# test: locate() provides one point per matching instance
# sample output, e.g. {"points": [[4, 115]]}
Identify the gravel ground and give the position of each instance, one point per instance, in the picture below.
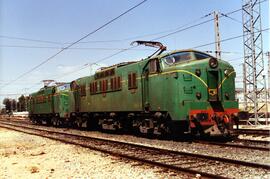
{"points": [[228, 152], [27, 156]]}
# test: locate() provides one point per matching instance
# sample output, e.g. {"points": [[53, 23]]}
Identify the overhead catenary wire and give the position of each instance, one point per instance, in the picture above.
{"points": [[124, 39], [160, 37], [123, 50], [227, 39], [31, 40], [179, 29], [131, 48], [229, 17], [105, 41], [75, 48], [72, 44], [222, 15]]}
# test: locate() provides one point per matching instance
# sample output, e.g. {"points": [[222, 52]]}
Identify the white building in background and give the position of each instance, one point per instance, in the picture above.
{"points": [[239, 95]]}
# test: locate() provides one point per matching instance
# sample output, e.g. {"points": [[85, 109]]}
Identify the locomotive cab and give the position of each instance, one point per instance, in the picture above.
{"points": [[204, 89]]}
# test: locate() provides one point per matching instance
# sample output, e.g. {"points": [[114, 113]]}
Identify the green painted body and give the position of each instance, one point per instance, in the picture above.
{"points": [[55, 102], [41, 102], [172, 89], [64, 103]]}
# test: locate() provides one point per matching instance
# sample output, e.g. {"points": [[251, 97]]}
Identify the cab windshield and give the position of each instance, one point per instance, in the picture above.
{"points": [[183, 56], [63, 87]]}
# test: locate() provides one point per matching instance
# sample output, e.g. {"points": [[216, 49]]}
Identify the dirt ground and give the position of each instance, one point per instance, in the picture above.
{"points": [[27, 156]]}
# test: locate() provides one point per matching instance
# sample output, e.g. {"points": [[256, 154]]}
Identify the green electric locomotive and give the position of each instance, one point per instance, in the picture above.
{"points": [[183, 91], [50, 104]]}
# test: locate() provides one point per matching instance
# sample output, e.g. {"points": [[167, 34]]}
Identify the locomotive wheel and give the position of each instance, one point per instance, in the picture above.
{"points": [[78, 124], [55, 122], [146, 127], [49, 122], [92, 124], [162, 130]]}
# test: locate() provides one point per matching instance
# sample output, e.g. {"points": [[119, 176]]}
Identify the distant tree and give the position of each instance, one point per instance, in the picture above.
{"points": [[21, 106], [18, 107], [7, 103], [14, 104]]}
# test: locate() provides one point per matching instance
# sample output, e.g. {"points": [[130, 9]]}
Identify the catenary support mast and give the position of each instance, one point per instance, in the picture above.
{"points": [[254, 94]]}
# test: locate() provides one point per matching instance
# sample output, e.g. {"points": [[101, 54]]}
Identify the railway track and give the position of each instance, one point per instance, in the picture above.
{"points": [[241, 143], [206, 166], [238, 143], [262, 142], [256, 132]]}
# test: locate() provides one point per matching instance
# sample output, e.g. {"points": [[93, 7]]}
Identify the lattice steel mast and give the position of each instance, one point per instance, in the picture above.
{"points": [[253, 60]]}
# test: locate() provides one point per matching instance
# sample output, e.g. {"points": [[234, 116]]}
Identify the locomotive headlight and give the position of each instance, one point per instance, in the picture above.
{"points": [[194, 116], [227, 96], [226, 72], [198, 72], [213, 63], [198, 95]]}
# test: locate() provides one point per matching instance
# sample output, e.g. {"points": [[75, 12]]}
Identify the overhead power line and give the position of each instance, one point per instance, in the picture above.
{"points": [[171, 33], [72, 44], [74, 48], [124, 39], [192, 26], [230, 38], [105, 41], [179, 29], [96, 62], [28, 39], [229, 17], [105, 58]]}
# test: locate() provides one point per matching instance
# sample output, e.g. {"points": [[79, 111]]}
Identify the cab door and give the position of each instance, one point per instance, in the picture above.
{"points": [[149, 84], [212, 82], [51, 100], [75, 89]]}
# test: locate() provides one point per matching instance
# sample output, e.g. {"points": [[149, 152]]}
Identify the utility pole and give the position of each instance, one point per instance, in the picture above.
{"points": [[253, 60], [268, 55], [268, 89], [217, 36]]}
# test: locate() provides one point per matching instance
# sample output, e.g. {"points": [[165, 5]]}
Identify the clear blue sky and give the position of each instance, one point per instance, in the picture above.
{"points": [[66, 21]]}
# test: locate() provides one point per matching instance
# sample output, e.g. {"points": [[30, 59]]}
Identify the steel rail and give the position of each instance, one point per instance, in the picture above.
{"points": [[217, 143], [113, 153], [254, 141], [253, 132], [234, 145], [213, 158]]}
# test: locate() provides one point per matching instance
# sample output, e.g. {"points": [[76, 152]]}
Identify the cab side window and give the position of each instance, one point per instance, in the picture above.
{"points": [[177, 58], [74, 86], [200, 56], [132, 80], [83, 90], [154, 66]]}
